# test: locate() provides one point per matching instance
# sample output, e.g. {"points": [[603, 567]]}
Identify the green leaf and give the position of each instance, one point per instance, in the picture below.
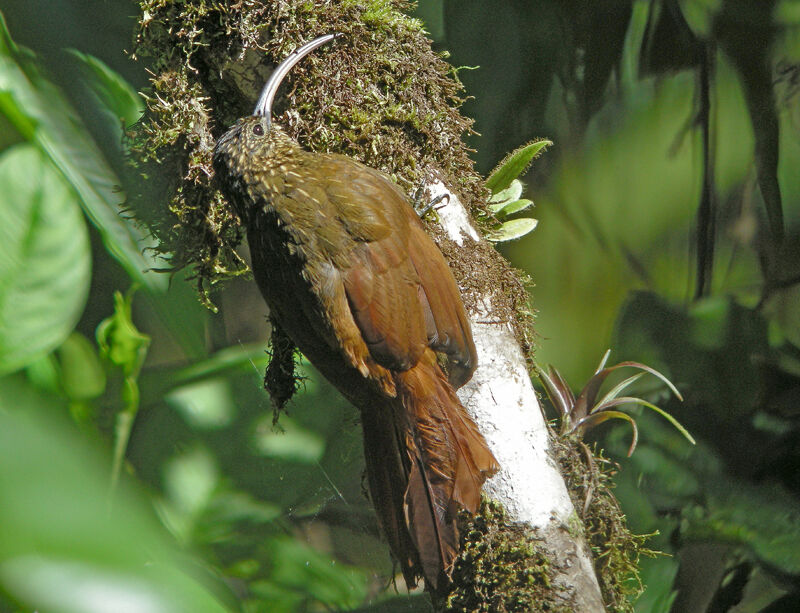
{"points": [[62, 548], [603, 362], [587, 396], [302, 569], [29, 99], [205, 404], [604, 372], [114, 92], [190, 480], [119, 340], [764, 518], [45, 258], [513, 229], [620, 387], [504, 209], [595, 419], [709, 322], [658, 575], [82, 374], [512, 192], [557, 390], [25, 125], [122, 345], [293, 443], [44, 374], [604, 406], [157, 383], [667, 479], [514, 165]]}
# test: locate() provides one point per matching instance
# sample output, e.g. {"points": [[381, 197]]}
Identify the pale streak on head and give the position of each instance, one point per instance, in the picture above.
{"points": [[264, 105]]}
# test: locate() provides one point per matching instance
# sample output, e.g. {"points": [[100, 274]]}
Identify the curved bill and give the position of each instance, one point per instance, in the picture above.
{"points": [[264, 105]]}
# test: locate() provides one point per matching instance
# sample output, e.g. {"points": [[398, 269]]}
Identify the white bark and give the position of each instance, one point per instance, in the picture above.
{"points": [[502, 401]]}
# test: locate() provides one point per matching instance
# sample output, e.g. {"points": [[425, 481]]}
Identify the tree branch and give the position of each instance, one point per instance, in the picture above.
{"points": [[529, 486]]}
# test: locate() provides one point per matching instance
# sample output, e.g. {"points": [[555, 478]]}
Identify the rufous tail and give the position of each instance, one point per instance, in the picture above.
{"points": [[425, 463]]}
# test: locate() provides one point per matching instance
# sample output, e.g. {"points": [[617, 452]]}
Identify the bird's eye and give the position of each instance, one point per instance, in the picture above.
{"points": [[258, 130]]}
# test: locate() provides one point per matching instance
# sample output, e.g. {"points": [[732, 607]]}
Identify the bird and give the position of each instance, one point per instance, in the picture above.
{"points": [[348, 271]]}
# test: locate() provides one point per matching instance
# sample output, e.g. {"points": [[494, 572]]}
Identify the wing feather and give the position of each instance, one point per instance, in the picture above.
{"points": [[399, 288]]}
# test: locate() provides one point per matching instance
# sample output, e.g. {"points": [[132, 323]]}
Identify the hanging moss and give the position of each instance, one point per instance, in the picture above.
{"points": [[615, 549]]}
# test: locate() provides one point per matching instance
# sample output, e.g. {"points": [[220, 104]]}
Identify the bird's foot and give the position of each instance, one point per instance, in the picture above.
{"points": [[423, 208]]}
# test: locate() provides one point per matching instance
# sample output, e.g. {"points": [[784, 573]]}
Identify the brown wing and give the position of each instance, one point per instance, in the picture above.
{"points": [[453, 333], [400, 290], [379, 279]]}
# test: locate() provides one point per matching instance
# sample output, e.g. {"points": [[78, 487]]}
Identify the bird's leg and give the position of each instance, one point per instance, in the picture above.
{"points": [[421, 207]]}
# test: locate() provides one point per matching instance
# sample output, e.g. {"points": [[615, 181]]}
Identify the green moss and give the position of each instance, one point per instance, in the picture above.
{"points": [[393, 104], [500, 567], [615, 549]]}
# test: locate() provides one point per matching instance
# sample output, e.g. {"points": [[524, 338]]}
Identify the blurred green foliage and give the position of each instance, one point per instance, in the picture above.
{"points": [[669, 229]]}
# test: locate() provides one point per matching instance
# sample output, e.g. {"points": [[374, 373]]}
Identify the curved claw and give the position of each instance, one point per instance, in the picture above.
{"points": [[424, 209]]}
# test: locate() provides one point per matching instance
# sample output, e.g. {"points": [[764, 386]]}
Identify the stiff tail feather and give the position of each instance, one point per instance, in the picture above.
{"points": [[387, 474], [435, 463]]}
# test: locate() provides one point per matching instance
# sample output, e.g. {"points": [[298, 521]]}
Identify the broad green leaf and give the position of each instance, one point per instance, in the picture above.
{"points": [[27, 98], [45, 259], [504, 209], [512, 192], [25, 125], [114, 92], [513, 229], [44, 373], [514, 165], [699, 14], [190, 479], [764, 518], [668, 477], [63, 549], [658, 575], [709, 322], [786, 12]]}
